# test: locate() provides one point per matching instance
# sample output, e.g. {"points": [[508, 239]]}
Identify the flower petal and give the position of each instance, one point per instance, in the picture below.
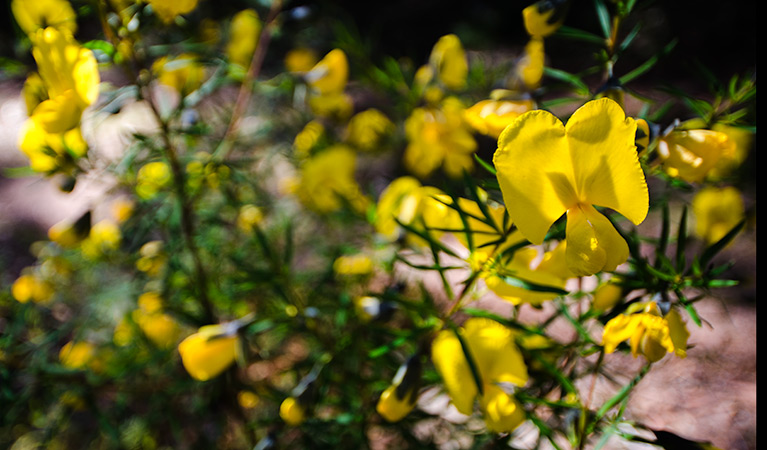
{"points": [[450, 361], [593, 244]]}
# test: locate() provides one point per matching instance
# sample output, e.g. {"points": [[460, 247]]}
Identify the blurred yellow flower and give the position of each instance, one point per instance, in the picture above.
{"points": [[330, 74], [498, 364], [32, 15], [244, 33], [69, 234], [167, 10], [327, 181], [77, 355], [400, 397], [104, 237], [292, 412], [439, 137], [648, 332], [30, 286], [530, 67], [607, 295], [152, 178], [544, 17], [152, 258], [449, 61], [692, 154], [308, 138], [249, 217], [546, 169], [334, 105], [210, 351], [366, 129], [717, 211], [359, 264], [159, 327], [247, 399], [490, 117], [300, 60], [184, 73]]}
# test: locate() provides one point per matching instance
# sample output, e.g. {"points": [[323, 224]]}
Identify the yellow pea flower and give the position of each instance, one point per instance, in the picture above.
{"points": [[244, 33], [159, 327], [327, 181], [34, 92], [104, 237], [292, 412], [530, 67], [648, 333], [308, 138], [210, 351], [330, 74], [717, 211], [300, 60], [607, 295], [544, 17], [449, 61], [366, 129], [335, 105], [152, 258], [167, 10], [77, 355], [692, 154], [249, 217], [359, 264], [439, 137], [248, 399], [152, 178], [399, 399], [70, 234], [30, 286], [546, 169], [34, 15], [490, 117], [183, 73], [498, 363]]}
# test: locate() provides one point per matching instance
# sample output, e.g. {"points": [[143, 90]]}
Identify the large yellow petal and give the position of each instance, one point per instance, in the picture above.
{"points": [[604, 158], [619, 329], [535, 172], [593, 244], [449, 360], [494, 351]]}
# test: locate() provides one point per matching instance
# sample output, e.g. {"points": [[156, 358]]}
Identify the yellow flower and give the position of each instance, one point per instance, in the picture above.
{"points": [[167, 10], [77, 355], [359, 264], [152, 258], [366, 129], [607, 295], [648, 333], [439, 137], [104, 237], [122, 209], [717, 211], [152, 178], [546, 169], [308, 138], [399, 399], [70, 74], [247, 399], [329, 76], [550, 272], [543, 18], [490, 117], [244, 33], [300, 60], [530, 66], [692, 154], [449, 60], [498, 363], [183, 72], [249, 217], [30, 286], [159, 327], [210, 351], [70, 234], [34, 15], [327, 181], [336, 105], [292, 412]]}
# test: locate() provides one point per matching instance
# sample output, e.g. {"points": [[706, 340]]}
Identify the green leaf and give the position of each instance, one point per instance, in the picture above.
{"points": [[647, 65], [581, 35], [603, 14]]}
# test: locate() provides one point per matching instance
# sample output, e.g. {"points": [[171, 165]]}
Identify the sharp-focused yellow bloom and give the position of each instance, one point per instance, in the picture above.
{"points": [[439, 137], [104, 237], [550, 272], [32, 15], [359, 264], [648, 333], [366, 129], [449, 61], [183, 73], [329, 76], [717, 211], [159, 327], [167, 10], [399, 399], [327, 181], [152, 178], [491, 117], [249, 217], [244, 33], [407, 201], [530, 66], [292, 412], [70, 75], [692, 154], [498, 363], [543, 18], [300, 60], [210, 351], [30, 286], [546, 169], [77, 355]]}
